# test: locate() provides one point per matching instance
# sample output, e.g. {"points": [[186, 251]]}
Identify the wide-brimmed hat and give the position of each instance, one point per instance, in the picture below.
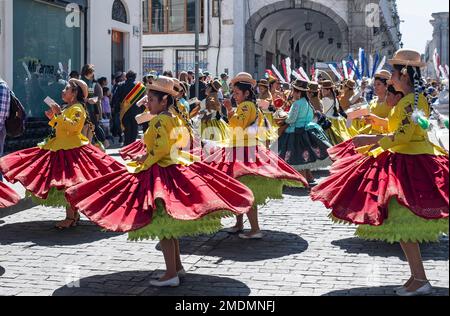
{"points": [[215, 85], [313, 86], [300, 85], [82, 85], [327, 84], [350, 84], [263, 82], [244, 77], [407, 57], [163, 84], [383, 74]]}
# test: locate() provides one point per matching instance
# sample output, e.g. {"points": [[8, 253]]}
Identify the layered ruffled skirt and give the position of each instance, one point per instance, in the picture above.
{"points": [[8, 197], [343, 150], [338, 132], [305, 148], [134, 150], [46, 174], [164, 203], [394, 197], [258, 168], [215, 130]]}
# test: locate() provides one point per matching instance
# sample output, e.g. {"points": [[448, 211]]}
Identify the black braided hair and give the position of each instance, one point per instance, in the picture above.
{"points": [[415, 76]]}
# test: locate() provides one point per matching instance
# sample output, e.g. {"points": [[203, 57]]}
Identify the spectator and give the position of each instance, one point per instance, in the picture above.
{"points": [[4, 112], [225, 86], [190, 77], [74, 75], [202, 88], [129, 120], [168, 73], [95, 96], [106, 103]]}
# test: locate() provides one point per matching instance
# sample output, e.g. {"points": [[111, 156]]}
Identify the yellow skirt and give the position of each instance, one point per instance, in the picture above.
{"points": [[338, 132], [215, 130], [272, 133]]}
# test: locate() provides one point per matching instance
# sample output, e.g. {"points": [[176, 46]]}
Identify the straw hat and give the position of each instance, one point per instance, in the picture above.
{"points": [[351, 84], [383, 74], [327, 84], [177, 85], [163, 84], [244, 77], [82, 85], [215, 85], [300, 85], [407, 57], [313, 87], [263, 82]]}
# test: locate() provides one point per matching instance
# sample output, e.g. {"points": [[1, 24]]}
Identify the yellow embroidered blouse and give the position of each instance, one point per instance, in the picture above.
{"points": [[406, 137], [381, 110], [245, 117], [68, 126], [164, 138]]}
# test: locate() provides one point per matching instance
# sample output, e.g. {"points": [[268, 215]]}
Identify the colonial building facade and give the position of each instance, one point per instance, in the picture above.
{"points": [[439, 42], [253, 34]]}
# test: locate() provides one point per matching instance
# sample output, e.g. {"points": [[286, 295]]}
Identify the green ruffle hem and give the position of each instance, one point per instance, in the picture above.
{"points": [[265, 189], [164, 226], [402, 226], [55, 198]]}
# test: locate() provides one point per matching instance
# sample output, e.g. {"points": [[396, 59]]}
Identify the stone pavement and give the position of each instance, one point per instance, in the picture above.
{"points": [[303, 253]]}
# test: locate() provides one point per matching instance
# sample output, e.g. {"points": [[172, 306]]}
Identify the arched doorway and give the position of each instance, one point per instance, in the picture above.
{"points": [[306, 31]]}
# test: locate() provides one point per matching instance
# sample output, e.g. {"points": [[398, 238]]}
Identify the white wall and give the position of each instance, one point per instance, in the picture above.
{"points": [[100, 25]]}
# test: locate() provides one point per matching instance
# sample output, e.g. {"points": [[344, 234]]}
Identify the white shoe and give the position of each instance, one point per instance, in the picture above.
{"points": [[425, 290], [175, 282], [232, 230], [254, 236]]}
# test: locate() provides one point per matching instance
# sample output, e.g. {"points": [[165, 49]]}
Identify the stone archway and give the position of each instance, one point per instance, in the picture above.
{"points": [[258, 17]]}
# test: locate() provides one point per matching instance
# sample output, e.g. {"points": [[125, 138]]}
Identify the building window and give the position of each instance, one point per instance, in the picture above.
{"points": [[215, 8], [171, 16], [185, 60], [119, 12], [153, 61], [45, 51]]}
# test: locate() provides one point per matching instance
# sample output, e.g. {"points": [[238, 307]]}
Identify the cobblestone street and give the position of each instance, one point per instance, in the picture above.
{"points": [[303, 253]]}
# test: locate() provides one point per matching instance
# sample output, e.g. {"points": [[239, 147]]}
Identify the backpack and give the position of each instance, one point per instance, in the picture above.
{"points": [[15, 123]]}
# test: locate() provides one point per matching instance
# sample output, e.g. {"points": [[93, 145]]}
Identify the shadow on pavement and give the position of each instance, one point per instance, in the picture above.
{"points": [[431, 251], [275, 244], [300, 192], [380, 291], [23, 205], [2, 271], [138, 283], [44, 234]]}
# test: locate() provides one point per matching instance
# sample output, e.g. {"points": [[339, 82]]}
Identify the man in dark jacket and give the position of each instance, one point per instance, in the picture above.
{"points": [[202, 88], [129, 120]]}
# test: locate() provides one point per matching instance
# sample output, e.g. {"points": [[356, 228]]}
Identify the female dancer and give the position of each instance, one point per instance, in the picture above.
{"points": [[166, 193], [63, 160], [398, 190], [338, 132], [247, 159], [304, 144]]}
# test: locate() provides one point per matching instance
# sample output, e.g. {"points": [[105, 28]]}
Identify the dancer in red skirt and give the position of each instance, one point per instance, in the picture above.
{"points": [[398, 190], [63, 160], [8, 197], [347, 149], [180, 109], [246, 157], [165, 194]]}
